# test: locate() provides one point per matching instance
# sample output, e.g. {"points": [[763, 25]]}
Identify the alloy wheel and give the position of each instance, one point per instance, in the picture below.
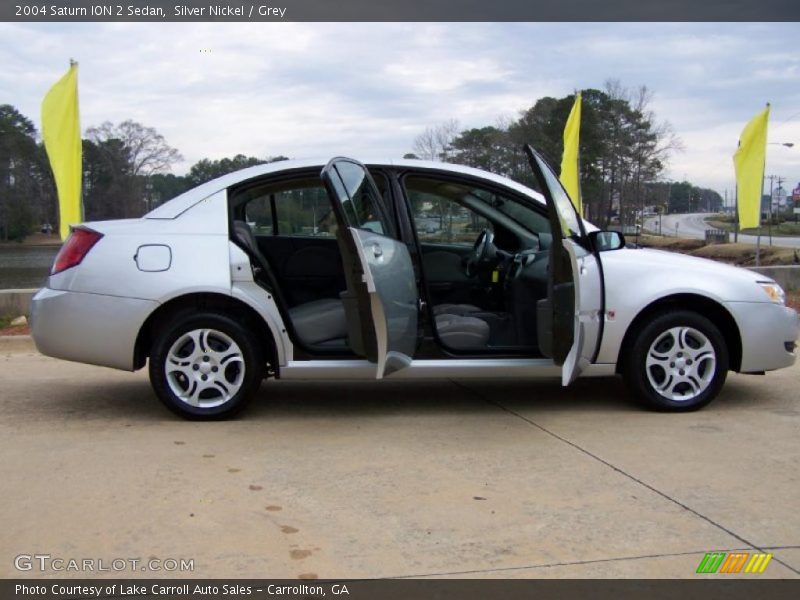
{"points": [[204, 368], [681, 363]]}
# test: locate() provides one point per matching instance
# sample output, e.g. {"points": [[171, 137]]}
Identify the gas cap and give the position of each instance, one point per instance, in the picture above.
{"points": [[153, 257]]}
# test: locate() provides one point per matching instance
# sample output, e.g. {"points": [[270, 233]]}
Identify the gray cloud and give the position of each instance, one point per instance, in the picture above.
{"points": [[369, 88]]}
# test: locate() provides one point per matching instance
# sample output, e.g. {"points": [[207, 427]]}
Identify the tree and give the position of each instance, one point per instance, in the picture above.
{"points": [[435, 143], [483, 148], [147, 150], [119, 161], [206, 170], [682, 197], [623, 147], [125, 173], [165, 186], [109, 189], [541, 126], [26, 187], [710, 200]]}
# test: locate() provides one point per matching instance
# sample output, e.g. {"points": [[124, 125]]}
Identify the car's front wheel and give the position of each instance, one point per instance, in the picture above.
{"points": [[678, 361], [205, 365]]}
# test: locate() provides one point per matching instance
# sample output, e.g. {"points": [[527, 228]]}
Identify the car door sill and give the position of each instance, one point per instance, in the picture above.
{"points": [[523, 368]]}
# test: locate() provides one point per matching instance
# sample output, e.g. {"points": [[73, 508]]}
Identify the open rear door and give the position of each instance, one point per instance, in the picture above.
{"points": [[570, 319], [381, 298]]}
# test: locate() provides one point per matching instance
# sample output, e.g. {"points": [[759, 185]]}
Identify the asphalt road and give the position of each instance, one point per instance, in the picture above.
{"points": [[693, 225], [436, 479]]}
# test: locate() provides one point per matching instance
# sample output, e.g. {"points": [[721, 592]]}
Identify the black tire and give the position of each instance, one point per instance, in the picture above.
{"points": [[699, 381], [238, 370]]}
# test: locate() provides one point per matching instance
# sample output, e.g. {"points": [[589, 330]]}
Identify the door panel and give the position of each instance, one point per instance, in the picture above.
{"points": [[589, 294], [586, 325], [576, 321], [381, 298], [391, 284]]}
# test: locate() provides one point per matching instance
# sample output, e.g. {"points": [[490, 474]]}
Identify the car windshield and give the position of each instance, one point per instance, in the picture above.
{"points": [[523, 215]]}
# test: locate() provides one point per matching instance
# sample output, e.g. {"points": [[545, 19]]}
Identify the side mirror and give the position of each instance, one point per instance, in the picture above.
{"points": [[603, 241]]}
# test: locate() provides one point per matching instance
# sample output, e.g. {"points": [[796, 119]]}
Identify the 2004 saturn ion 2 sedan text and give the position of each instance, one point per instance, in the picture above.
{"points": [[398, 269]]}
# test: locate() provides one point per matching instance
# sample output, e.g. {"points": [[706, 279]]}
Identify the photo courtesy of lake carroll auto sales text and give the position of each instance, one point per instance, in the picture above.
{"points": [[120, 590], [387, 300]]}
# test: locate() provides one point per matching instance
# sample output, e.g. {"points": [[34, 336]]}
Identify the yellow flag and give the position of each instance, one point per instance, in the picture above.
{"points": [[749, 163], [61, 132], [570, 176]]}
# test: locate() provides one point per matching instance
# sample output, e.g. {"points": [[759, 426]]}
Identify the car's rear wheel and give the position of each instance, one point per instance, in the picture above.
{"points": [[678, 361], [205, 365]]}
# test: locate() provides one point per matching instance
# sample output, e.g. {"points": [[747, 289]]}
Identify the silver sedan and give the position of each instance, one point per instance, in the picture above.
{"points": [[397, 269]]}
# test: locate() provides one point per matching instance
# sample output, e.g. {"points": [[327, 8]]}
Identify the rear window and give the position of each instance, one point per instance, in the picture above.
{"points": [[296, 208], [299, 207]]}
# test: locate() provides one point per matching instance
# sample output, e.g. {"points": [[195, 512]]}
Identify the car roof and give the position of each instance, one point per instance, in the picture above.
{"points": [[181, 203]]}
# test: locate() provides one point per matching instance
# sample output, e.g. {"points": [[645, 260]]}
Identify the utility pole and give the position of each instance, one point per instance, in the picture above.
{"points": [[769, 211], [758, 239], [772, 180], [780, 187], [669, 196]]}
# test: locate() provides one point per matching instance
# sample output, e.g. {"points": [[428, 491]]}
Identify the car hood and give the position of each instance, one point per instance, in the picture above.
{"points": [[683, 262]]}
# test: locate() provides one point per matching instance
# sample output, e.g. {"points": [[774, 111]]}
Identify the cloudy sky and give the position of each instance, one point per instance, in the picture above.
{"points": [[368, 89]]}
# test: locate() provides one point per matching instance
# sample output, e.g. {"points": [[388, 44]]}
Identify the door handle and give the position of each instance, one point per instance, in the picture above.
{"points": [[377, 250]]}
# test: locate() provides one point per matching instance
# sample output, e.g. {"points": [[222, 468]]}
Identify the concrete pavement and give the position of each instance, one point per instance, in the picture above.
{"points": [[396, 479]]}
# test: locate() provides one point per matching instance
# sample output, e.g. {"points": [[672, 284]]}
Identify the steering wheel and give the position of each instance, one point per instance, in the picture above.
{"points": [[483, 252]]}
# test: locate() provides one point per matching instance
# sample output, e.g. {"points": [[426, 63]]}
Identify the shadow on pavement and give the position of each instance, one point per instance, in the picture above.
{"points": [[292, 400]]}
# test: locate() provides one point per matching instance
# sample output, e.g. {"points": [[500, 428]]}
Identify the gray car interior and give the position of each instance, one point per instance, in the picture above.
{"points": [[306, 275], [504, 296], [323, 321], [314, 322]]}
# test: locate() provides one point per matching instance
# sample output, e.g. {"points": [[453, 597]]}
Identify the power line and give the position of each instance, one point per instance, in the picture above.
{"points": [[790, 118]]}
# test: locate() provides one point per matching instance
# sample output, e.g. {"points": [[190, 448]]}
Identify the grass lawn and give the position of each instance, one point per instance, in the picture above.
{"points": [[734, 254], [7, 329]]}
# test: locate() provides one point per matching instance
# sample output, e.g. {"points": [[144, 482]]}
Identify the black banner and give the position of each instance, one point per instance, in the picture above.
{"points": [[409, 589], [399, 10]]}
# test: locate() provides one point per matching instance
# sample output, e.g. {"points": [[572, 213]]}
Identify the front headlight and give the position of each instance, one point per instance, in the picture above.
{"points": [[774, 291]]}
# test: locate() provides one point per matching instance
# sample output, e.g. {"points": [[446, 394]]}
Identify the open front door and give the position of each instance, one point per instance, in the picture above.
{"points": [[381, 297], [570, 319]]}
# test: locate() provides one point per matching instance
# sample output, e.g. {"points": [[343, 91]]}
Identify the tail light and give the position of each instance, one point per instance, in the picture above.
{"points": [[75, 249]]}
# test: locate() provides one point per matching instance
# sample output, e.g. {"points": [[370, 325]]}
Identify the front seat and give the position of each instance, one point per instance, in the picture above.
{"points": [[462, 333], [314, 322], [462, 310]]}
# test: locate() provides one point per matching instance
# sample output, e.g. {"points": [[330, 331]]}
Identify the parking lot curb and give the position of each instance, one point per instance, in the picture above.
{"points": [[19, 344]]}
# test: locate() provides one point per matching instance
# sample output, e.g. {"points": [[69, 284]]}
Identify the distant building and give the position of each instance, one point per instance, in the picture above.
{"points": [[779, 198]]}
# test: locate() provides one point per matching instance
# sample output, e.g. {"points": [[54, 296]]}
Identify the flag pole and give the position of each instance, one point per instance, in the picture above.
{"points": [[758, 239], [74, 63], [580, 189], [760, 200]]}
